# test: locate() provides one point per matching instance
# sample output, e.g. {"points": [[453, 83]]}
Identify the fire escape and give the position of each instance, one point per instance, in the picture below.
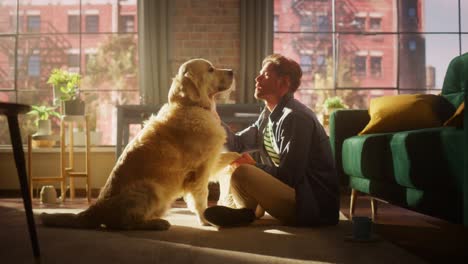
{"points": [[316, 17], [51, 49]]}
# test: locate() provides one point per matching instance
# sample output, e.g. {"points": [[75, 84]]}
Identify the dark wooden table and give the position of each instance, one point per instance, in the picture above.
{"points": [[236, 115], [12, 111]]}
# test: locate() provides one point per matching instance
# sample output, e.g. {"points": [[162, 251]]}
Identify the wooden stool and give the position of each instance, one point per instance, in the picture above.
{"points": [[12, 111], [70, 170], [61, 178]]}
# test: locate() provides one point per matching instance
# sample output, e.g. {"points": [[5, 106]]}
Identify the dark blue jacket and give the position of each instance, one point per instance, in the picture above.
{"points": [[306, 164]]}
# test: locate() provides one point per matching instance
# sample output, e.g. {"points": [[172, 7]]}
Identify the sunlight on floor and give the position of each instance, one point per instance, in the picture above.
{"points": [[276, 232]]}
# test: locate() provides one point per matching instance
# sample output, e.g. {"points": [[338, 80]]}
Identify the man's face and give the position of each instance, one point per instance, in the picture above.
{"points": [[268, 84]]}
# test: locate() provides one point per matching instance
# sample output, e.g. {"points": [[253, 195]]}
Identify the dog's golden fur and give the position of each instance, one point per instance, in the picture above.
{"points": [[173, 156]]}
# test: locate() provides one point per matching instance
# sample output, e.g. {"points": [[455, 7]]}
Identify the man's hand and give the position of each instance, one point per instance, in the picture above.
{"points": [[244, 159]]}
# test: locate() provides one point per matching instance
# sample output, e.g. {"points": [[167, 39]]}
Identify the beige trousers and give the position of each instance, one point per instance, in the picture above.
{"points": [[253, 188]]}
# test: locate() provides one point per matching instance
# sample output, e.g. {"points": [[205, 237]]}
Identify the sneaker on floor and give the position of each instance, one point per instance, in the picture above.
{"points": [[223, 216]]}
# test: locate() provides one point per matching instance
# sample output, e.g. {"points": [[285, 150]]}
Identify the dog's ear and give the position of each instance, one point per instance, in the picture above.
{"points": [[196, 92], [186, 92]]}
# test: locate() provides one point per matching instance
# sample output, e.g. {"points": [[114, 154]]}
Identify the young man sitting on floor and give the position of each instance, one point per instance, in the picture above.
{"points": [[295, 181]]}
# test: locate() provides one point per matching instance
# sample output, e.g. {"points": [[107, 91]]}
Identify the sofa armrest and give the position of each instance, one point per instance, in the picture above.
{"points": [[343, 124]]}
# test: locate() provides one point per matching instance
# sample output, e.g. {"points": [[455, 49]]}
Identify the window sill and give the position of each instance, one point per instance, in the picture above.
{"points": [[100, 149]]}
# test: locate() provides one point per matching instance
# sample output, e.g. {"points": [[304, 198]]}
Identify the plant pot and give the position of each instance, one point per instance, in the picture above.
{"points": [[43, 143], [44, 128], [74, 107]]}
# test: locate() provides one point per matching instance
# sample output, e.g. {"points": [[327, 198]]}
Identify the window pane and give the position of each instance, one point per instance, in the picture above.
{"points": [[26, 123], [304, 16], [8, 16], [103, 116], [366, 15], [424, 65], [112, 62], [440, 16], [359, 99], [4, 130], [36, 97], [464, 18], [127, 16], [107, 62], [464, 43], [406, 91], [38, 16], [311, 97], [366, 61], [102, 17], [7, 63], [7, 96], [38, 55], [410, 16], [313, 47]]}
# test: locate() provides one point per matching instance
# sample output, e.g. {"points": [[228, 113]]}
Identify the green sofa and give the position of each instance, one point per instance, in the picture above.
{"points": [[422, 170]]}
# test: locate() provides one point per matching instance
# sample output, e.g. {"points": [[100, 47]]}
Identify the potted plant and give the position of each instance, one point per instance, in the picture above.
{"points": [[43, 123], [66, 90], [333, 103]]}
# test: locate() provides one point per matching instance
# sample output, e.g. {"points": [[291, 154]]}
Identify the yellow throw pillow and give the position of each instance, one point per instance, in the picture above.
{"points": [[404, 112], [456, 119]]}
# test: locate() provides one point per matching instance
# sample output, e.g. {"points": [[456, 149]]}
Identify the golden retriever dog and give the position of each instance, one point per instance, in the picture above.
{"points": [[174, 155]]}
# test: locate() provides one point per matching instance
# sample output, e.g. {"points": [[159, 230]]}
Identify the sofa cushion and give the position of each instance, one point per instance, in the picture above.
{"points": [[422, 158], [455, 98], [406, 112], [456, 120], [368, 156]]}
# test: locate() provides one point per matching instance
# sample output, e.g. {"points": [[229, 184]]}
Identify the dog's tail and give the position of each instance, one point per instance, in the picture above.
{"points": [[63, 220], [75, 221], [112, 213]]}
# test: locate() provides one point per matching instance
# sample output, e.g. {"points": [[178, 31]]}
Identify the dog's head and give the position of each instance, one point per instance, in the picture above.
{"points": [[197, 82]]}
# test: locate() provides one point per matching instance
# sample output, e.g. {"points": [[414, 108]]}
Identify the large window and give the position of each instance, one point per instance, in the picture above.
{"points": [[367, 48], [78, 36]]}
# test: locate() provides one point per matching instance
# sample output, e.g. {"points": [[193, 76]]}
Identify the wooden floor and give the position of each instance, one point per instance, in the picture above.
{"points": [[432, 239]]}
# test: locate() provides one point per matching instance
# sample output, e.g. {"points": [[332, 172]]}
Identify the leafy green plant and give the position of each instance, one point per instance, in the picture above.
{"points": [[334, 102], [66, 82], [43, 112]]}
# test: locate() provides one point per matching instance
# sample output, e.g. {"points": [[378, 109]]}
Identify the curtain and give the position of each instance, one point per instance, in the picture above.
{"points": [[256, 29], [153, 34]]}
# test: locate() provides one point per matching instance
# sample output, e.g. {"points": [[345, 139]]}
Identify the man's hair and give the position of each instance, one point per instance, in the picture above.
{"points": [[284, 66]]}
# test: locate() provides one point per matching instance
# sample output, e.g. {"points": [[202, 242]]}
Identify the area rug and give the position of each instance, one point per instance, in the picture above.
{"points": [[265, 241]]}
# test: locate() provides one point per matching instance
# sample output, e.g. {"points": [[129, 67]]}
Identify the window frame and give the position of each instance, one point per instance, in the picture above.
{"points": [[408, 17], [28, 67]]}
